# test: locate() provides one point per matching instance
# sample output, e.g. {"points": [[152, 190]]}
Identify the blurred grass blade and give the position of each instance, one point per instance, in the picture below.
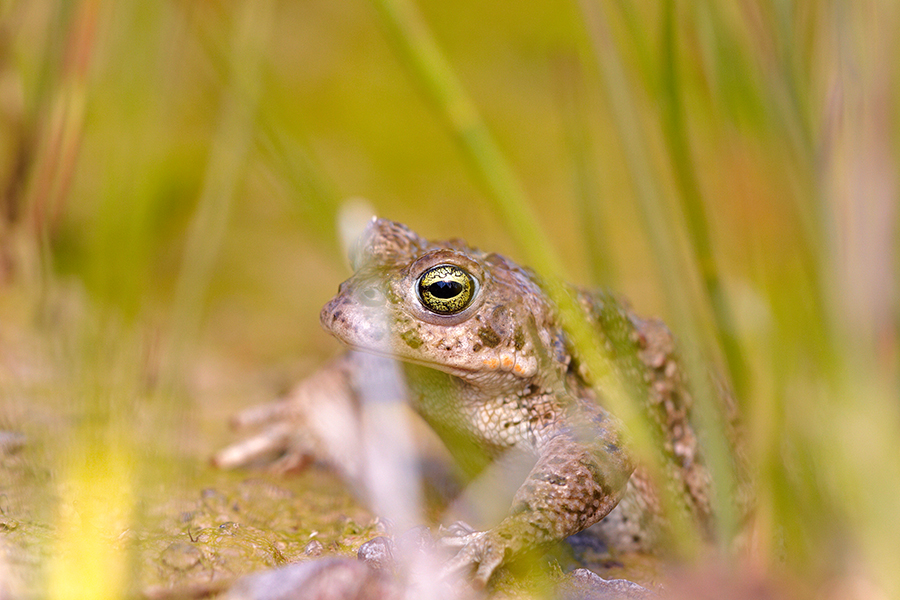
{"points": [[316, 198], [574, 107], [689, 308], [230, 148], [57, 152], [94, 470], [88, 560], [692, 203], [431, 70]]}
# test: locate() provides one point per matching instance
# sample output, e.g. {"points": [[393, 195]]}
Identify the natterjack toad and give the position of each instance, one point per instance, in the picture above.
{"points": [[490, 369]]}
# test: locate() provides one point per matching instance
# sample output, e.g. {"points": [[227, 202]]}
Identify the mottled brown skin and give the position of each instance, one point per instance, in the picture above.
{"points": [[501, 375]]}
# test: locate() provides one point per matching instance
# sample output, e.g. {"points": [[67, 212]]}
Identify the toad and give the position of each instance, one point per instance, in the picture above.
{"points": [[490, 368]]}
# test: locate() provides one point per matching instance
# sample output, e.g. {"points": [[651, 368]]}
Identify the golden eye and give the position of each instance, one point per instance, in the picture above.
{"points": [[446, 289]]}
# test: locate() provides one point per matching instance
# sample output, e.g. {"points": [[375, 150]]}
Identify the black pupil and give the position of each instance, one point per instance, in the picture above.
{"points": [[445, 289]]}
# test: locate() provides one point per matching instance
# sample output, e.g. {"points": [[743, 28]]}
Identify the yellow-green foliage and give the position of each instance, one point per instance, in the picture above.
{"points": [[172, 172]]}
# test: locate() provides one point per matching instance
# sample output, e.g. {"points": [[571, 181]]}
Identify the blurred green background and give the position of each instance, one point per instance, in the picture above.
{"points": [[172, 175]]}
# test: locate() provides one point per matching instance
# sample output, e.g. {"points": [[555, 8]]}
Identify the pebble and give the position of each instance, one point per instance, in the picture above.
{"points": [[313, 548], [378, 553], [583, 584], [181, 556]]}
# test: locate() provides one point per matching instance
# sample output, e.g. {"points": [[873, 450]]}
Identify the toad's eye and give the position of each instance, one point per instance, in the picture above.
{"points": [[446, 289]]}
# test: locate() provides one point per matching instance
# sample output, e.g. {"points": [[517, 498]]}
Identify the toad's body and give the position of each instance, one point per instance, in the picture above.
{"points": [[490, 369]]}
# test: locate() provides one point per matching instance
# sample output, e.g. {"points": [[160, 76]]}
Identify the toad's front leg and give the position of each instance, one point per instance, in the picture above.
{"points": [[575, 483], [318, 419]]}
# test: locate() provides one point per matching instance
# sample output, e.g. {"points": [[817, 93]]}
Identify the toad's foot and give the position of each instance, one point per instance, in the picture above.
{"points": [[279, 447], [475, 550], [483, 551], [317, 420]]}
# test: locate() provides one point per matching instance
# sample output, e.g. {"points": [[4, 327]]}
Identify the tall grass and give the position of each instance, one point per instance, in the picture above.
{"points": [[171, 171]]}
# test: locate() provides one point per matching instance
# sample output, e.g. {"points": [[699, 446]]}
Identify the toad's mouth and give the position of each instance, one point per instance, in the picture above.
{"points": [[390, 352]]}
